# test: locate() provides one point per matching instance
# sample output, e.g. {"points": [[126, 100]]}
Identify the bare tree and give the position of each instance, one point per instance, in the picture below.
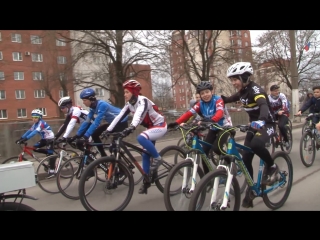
{"points": [[274, 48], [162, 94]]}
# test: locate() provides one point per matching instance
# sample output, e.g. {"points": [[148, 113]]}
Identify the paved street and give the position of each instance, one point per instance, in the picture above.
{"points": [[304, 194]]}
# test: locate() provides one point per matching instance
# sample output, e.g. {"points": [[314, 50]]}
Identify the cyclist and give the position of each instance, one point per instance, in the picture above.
{"points": [[196, 116], [47, 136], [73, 115], [210, 108], [145, 114], [256, 103], [279, 106], [93, 126], [314, 103]]}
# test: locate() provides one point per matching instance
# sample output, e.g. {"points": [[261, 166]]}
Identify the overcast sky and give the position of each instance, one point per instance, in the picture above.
{"points": [[255, 34]]}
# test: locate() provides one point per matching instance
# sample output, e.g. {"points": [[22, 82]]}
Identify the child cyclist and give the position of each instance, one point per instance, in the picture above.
{"points": [[145, 114], [47, 136], [256, 103], [210, 108]]}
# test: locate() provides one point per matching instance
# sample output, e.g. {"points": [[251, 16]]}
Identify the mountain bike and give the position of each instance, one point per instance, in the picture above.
{"points": [[307, 123], [276, 139], [213, 191], [308, 142], [184, 176], [113, 195]]}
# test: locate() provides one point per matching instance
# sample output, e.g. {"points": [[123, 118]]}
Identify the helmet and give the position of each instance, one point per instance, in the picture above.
{"points": [[204, 85], [239, 68], [132, 84], [87, 93], [274, 87], [64, 101], [36, 113]]}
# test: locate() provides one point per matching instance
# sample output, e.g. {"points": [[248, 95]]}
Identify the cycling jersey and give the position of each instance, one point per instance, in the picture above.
{"points": [[74, 115], [144, 114], [254, 101], [214, 110], [281, 103], [104, 111], [314, 103], [42, 128]]}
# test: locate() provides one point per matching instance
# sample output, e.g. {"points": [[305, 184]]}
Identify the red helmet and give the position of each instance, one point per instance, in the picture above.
{"points": [[133, 84]]}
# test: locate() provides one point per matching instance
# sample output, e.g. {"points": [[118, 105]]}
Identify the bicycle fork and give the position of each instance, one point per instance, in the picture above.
{"points": [[186, 175]]}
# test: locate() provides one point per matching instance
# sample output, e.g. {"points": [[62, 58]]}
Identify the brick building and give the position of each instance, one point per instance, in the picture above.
{"points": [[33, 69]]}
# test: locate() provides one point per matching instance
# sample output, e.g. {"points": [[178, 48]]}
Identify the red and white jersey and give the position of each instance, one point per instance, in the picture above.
{"points": [[76, 115], [143, 114], [280, 103]]}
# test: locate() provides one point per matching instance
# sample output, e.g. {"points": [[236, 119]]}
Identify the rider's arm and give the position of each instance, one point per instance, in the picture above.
{"points": [[219, 110], [123, 113], [234, 98], [38, 127], [284, 102], [84, 126], [307, 104], [263, 106], [64, 126], [188, 114], [101, 109]]}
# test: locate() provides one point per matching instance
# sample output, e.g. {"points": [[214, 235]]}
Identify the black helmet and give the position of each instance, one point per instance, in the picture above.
{"points": [[204, 85], [274, 87]]}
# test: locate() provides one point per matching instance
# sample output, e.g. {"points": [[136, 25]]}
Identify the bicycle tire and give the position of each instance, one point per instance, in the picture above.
{"points": [[180, 141], [137, 176], [198, 196], [304, 127], [179, 193], [15, 206], [68, 174], [169, 160], [289, 134], [304, 146], [290, 124], [13, 159], [271, 145], [266, 197], [85, 199]]}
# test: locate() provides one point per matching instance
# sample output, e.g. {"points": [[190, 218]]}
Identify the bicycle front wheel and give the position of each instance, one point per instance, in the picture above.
{"points": [[307, 149], [68, 177], [177, 186], [13, 160], [48, 185], [207, 198], [15, 206], [171, 155], [304, 127], [110, 195], [274, 198]]}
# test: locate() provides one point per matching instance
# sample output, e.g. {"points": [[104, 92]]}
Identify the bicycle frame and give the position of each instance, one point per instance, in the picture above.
{"points": [[27, 149], [234, 156]]}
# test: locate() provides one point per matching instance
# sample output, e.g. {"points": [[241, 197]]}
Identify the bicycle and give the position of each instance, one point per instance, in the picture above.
{"points": [[184, 176], [223, 177], [307, 123], [308, 149], [15, 205], [116, 171], [276, 139]]}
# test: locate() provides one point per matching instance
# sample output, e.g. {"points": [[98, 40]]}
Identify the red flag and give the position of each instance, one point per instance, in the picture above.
{"points": [[306, 47]]}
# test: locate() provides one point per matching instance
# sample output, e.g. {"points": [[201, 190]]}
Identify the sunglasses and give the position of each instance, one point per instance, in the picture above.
{"points": [[63, 107], [35, 117]]}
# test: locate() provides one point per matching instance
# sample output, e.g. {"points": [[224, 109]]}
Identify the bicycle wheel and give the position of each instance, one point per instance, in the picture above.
{"points": [[290, 124], [68, 177], [110, 195], [289, 134], [307, 149], [47, 185], [171, 155], [276, 197], [97, 155], [201, 199], [177, 186], [71, 154], [13, 159], [137, 176], [181, 141], [271, 145], [15, 206], [304, 127]]}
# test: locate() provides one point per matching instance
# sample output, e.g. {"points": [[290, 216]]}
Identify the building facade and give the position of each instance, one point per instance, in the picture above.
{"points": [[34, 72]]}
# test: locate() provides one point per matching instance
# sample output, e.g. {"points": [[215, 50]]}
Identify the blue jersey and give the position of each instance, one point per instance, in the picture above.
{"points": [[42, 128], [104, 111]]}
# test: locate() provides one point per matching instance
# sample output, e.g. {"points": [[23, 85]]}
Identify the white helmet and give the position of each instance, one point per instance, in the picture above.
{"points": [[64, 101], [36, 113], [239, 68]]}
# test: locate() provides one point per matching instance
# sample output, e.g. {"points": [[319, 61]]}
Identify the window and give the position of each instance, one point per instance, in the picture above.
{"points": [[1, 75], [62, 60], [239, 32], [2, 94], [35, 39], [20, 94], [3, 114], [240, 50], [63, 77], [60, 42], [18, 75], [1, 56], [17, 56], [61, 94], [239, 42], [44, 111], [246, 44], [37, 76], [39, 93], [22, 113], [245, 34], [99, 92], [15, 37], [0, 37], [36, 57]]}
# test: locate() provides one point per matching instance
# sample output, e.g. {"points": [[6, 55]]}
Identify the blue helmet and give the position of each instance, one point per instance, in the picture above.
{"points": [[87, 93]]}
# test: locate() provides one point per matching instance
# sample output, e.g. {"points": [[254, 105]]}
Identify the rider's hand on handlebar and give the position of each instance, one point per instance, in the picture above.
{"points": [[172, 125], [128, 130], [298, 113]]}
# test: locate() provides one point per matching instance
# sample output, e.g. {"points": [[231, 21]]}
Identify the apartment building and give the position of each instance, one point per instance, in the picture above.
{"points": [[33, 69], [239, 44]]}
